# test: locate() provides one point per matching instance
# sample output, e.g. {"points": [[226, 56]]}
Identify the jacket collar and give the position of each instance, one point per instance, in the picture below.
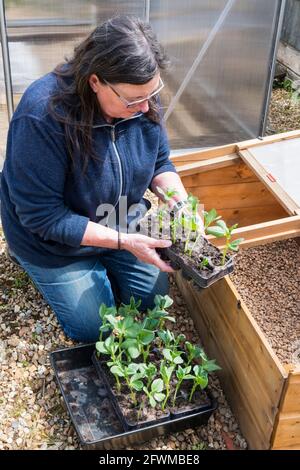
{"points": [[102, 123]]}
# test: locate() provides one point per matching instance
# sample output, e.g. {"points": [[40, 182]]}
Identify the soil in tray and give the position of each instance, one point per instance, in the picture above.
{"points": [[130, 416], [200, 401], [147, 416], [202, 250]]}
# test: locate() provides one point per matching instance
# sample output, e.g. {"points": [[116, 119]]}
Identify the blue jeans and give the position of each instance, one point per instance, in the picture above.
{"points": [[76, 291]]}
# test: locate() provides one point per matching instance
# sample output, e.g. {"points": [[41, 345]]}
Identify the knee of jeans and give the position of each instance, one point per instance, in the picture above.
{"points": [[82, 336], [160, 287], [84, 325]]}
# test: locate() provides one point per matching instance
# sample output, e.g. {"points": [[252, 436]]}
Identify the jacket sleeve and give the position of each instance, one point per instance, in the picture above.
{"points": [[37, 164], [163, 163]]}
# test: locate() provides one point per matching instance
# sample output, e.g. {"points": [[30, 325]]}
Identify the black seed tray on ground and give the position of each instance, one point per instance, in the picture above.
{"points": [[90, 408], [100, 367]]}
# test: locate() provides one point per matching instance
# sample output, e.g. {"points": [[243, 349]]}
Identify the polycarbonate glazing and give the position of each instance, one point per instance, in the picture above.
{"points": [[223, 99], [42, 32], [221, 50]]}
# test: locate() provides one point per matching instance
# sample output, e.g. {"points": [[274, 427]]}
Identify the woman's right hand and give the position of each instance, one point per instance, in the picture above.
{"points": [[143, 248]]}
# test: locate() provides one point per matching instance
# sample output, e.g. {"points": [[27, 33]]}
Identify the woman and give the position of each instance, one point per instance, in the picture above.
{"points": [[82, 139]]}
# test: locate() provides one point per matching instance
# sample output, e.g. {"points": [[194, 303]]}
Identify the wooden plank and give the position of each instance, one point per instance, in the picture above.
{"points": [[236, 172], [282, 197], [291, 401], [266, 232], [206, 165], [250, 368], [268, 139], [223, 197], [204, 154], [231, 148], [287, 431], [246, 216]]}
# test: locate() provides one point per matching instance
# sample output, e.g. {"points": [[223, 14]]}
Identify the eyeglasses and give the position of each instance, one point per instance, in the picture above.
{"points": [[131, 104]]}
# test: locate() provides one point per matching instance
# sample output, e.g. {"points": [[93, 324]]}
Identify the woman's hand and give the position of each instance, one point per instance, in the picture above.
{"points": [[144, 249]]}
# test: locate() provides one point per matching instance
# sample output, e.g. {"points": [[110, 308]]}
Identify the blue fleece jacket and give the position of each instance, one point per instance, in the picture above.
{"points": [[45, 204]]}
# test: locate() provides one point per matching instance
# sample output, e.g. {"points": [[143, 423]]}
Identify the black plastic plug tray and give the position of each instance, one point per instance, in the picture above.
{"points": [[90, 408]]}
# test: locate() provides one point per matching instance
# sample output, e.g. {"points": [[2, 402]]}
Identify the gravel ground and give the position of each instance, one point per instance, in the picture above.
{"points": [[284, 113], [271, 290]]}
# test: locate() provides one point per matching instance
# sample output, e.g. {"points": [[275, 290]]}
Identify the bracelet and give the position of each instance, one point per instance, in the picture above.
{"points": [[179, 205]]}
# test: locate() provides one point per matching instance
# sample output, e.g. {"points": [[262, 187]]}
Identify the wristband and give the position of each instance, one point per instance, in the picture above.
{"points": [[178, 205]]}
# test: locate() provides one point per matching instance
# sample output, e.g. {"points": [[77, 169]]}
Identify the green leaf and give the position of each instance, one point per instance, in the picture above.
{"points": [[167, 354], [232, 247], [149, 370], [151, 323], [233, 227], [159, 396], [178, 360], [137, 385], [133, 368], [197, 352], [128, 322], [109, 342], [157, 300], [105, 328], [104, 311], [100, 347], [222, 225], [167, 372], [146, 337], [234, 244], [134, 352], [201, 376], [117, 370], [202, 381], [210, 217], [152, 402], [134, 330], [167, 301], [157, 386], [158, 314], [129, 342], [193, 202], [111, 363], [180, 373], [210, 366], [171, 319], [180, 338], [216, 231], [112, 320]]}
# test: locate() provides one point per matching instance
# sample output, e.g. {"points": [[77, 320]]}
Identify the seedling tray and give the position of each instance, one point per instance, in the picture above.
{"points": [[91, 410], [127, 425], [200, 279]]}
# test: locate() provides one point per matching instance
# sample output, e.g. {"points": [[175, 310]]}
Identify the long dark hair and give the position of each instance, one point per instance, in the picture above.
{"points": [[123, 49]]}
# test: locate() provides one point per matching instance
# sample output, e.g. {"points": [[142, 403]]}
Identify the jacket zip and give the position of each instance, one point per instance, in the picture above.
{"points": [[113, 138]]}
